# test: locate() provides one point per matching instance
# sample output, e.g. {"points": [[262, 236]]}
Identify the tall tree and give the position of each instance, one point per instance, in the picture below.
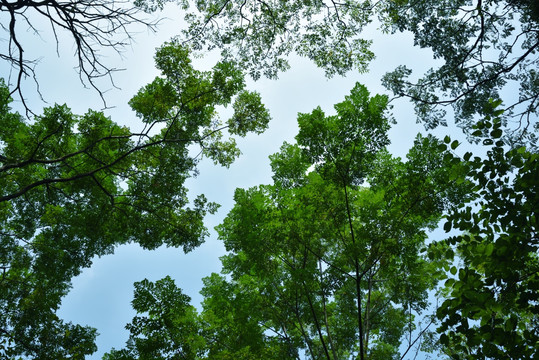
{"points": [[485, 46], [73, 187], [334, 244], [326, 261]]}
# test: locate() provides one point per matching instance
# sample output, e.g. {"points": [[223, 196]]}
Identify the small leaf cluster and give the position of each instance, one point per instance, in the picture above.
{"points": [[170, 328]]}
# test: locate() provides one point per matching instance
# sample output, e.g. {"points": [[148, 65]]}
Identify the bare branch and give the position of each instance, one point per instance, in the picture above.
{"points": [[92, 25]]}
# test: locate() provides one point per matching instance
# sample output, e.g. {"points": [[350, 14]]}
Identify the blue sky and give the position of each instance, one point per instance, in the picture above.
{"points": [[101, 295]]}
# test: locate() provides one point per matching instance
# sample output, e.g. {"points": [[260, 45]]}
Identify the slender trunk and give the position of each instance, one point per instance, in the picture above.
{"points": [[410, 323], [359, 310], [305, 337], [368, 312], [358, 278], [330, 340], [316, 322]]}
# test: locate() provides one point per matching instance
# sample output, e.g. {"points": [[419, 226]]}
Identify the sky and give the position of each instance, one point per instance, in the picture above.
{"points": [[101, 295]]}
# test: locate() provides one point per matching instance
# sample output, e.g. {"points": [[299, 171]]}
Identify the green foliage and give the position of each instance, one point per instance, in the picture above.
{"points": [[249, 115], [73, 187], [150, 6], [326, 261], [482, 46], [343, 146], [491, 310], [170, 329]]}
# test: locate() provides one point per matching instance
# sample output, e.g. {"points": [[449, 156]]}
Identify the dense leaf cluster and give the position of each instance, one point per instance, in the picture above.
{"points": [[492, 306], [73, 187]]}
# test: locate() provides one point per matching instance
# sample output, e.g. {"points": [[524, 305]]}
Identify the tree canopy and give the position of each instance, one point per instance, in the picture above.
{"points": [[75, 186], [331, 260], [491, 307], [484, 46], [325, 262]]}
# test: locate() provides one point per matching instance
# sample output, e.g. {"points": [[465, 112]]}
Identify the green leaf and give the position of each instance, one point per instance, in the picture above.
{"points": [[489, 249], [477, 133], [497, 133]]}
